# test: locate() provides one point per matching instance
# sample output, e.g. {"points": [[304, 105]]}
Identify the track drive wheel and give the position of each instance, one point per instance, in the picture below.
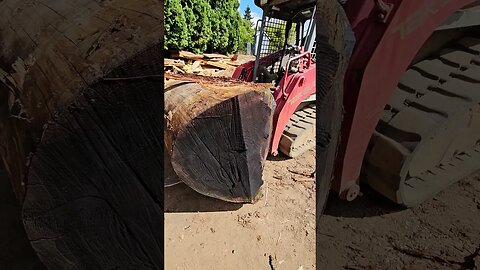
{"points": [[429, 135]]}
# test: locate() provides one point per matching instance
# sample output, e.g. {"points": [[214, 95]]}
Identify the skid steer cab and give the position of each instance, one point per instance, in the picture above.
{"points": [[285, 46]]}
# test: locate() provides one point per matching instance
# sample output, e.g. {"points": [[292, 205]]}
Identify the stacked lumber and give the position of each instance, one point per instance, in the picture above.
{"points": [[207, 64]]}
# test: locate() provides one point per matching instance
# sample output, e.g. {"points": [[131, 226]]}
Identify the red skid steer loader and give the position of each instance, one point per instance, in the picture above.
{"points": [[408, 76]]}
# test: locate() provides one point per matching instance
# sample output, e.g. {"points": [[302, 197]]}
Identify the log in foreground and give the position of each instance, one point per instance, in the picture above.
{"points": [[217, 133], [81, 129], [169, 175]]}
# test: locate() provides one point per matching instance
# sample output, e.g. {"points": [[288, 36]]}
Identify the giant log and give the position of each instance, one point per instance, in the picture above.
{"points": [[217, 133], [81, 129]]}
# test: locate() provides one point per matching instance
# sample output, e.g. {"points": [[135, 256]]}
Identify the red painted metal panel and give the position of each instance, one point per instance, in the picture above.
{"points": [[292, 90], [383, 53]]}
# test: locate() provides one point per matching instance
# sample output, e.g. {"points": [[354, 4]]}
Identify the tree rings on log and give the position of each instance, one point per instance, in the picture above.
{"points": [[94, 195], [217, 133]]}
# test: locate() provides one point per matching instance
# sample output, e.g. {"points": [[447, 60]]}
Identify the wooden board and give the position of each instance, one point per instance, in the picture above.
{"points": [[231, 63], [173, 63], [217, 134], [216, 64], [184, 55], [190, 56], [215, 56]]}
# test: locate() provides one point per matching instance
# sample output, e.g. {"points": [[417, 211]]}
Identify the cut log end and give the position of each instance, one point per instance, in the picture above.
{"points": [[94, 195], [81, 130], [221, 148]]}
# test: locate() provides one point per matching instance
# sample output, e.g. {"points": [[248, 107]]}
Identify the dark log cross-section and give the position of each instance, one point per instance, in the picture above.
{"points": [[217, 133], [81, 140]]}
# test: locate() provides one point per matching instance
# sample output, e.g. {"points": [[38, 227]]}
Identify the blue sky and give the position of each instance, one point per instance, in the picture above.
{"points": [[256, 11]]}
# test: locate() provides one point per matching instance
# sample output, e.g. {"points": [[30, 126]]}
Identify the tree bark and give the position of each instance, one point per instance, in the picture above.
{"points": [[80, 128], [218, 134]]}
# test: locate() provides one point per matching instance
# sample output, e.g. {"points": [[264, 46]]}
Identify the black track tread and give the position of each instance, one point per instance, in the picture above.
{"points": [[429, 93], [301, 121]]}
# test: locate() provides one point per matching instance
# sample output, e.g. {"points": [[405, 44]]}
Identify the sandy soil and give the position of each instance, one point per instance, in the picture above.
{"points": [[369, 233], [277, 232], [373, 233]]}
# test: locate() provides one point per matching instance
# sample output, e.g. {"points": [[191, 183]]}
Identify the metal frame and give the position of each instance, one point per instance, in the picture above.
{"points": [[259, 48], [293, 89], [312, 28], [264, 47], [387, 41]]}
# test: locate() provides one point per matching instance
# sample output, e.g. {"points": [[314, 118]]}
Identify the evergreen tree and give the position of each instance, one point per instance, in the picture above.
{"points": [[248, 16], [176, 32], [205, 25], [199, 27], [247, 32]]}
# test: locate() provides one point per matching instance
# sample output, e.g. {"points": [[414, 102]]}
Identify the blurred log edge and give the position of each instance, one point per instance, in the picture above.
{"points": [[81, 136], [217, 133], [335, 43]]}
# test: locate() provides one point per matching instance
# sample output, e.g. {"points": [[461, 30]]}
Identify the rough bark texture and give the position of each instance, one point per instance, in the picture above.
{"points": [[81, 130], [169, 175], [16, 252], [334, 46], [217, 134]]}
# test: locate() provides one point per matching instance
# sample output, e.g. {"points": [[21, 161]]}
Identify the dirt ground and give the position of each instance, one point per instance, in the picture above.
{"points": [[373, 233], [277, 232]]}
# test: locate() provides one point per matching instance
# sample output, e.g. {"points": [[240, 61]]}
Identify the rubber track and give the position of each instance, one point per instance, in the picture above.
{"points": [[434, 88], [301, 121], [431, 92]]}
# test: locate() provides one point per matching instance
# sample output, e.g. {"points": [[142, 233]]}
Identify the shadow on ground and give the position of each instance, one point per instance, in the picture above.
{"points": [[279, 157], [181, 198], [369, 204]]}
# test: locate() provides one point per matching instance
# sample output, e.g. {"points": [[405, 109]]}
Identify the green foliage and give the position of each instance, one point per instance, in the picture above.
{"points": [[247, 34], [175, 25], [199, 26], [276, 36], [205, 25]]}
